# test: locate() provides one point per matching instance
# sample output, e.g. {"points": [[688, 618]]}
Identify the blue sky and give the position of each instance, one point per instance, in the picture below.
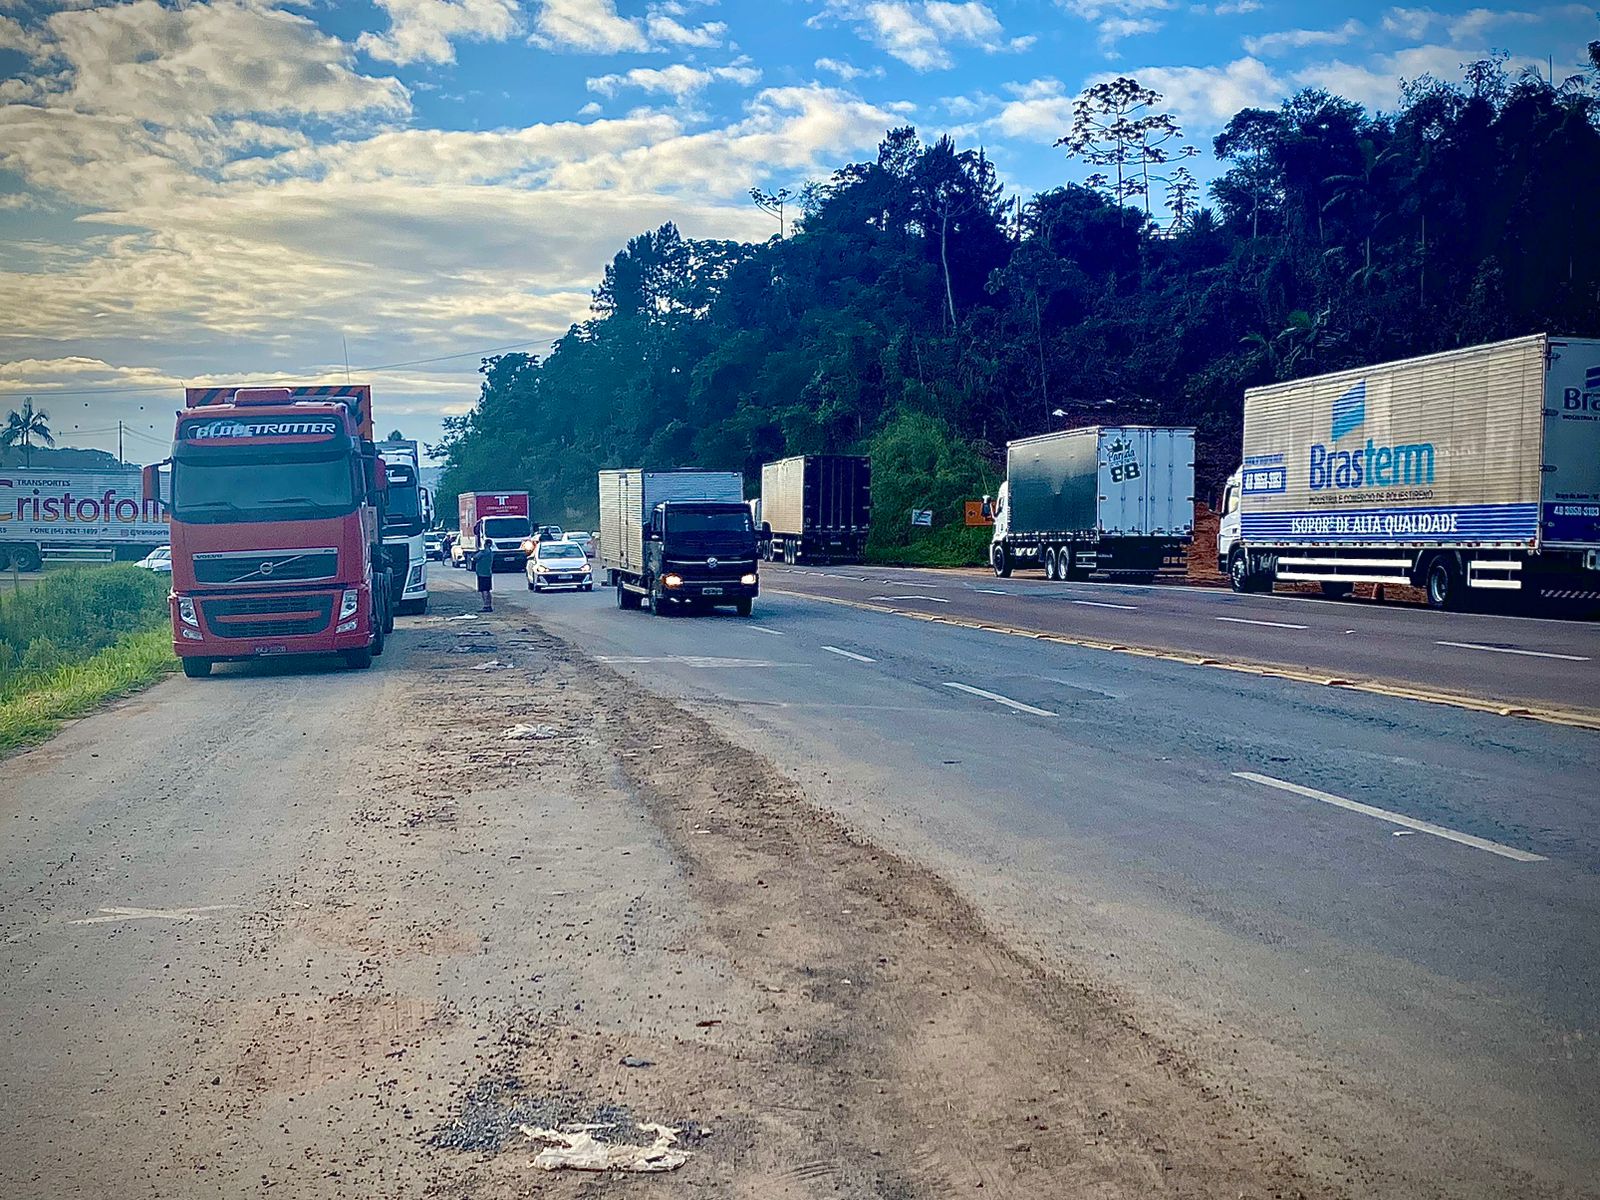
{"points": [[227, 190]]}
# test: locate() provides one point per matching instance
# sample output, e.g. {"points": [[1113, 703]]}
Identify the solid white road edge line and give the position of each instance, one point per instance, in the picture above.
{"points": [[1510, 650], [919, 599], [999, 699], [1105, 604], [849, 654], [1268, 624], [1394, 818]]}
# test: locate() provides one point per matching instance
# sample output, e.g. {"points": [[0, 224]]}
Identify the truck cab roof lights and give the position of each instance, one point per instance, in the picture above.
{"points": [[274, 395]]}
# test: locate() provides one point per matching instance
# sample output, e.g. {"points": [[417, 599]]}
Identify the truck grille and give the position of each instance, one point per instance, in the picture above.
{"points": [[254, 567], [268, 616]]}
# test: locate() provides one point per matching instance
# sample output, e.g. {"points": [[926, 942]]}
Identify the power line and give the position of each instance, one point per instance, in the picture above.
{"points": [[45, 392]]}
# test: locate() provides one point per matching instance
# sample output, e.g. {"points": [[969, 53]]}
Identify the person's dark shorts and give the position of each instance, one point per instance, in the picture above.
{"points": [[486, 583]]}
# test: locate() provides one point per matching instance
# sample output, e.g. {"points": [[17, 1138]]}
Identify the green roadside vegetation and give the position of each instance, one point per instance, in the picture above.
{"points": [[78, 638]]}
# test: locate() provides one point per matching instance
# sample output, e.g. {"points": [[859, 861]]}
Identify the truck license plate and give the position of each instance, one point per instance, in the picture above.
{"points": [[272, 649], [711, 591]]}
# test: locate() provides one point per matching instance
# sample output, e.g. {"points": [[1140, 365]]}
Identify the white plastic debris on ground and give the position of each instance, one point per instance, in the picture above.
{"points": [[580, 1150], [522, 733], [463, 617], [494, 664]]}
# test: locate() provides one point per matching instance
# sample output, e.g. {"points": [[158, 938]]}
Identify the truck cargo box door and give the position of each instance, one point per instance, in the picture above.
{"points": [[1570, 499]]}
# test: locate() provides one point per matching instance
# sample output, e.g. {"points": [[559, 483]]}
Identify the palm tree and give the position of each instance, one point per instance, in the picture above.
{"points": [[26, 426]]}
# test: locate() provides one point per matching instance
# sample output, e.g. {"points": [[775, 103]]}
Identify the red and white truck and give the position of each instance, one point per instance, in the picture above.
{"points": [[501, 518], [276, 505]]}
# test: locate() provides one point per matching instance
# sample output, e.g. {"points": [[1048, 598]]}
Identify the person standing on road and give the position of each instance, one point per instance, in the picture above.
{"points": [[484, 565]]}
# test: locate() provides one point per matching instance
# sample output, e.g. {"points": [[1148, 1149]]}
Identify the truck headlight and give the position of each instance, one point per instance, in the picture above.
{"points": [[672, 581], [186, 612], [348, 603], [747, 580]]}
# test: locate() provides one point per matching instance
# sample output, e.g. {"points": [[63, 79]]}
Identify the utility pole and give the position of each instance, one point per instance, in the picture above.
{"points": [[119, 442]]}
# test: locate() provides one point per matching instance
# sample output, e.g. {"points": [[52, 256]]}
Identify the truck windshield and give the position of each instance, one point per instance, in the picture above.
{"points": [[505, 529], [403, 517], [231, 488], [690, 521]]}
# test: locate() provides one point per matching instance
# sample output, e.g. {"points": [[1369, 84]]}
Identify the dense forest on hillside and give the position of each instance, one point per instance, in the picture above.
{"points": [[917, 312]]}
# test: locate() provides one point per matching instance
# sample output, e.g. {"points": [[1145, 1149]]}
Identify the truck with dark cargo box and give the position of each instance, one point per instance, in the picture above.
{"points": [[677, 541], [1113, 500], [816, 508]]}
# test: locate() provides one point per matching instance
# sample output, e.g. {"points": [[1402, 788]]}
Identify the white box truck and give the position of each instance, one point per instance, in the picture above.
{"points": [[677, 540], [408, 511], [1471, 469], [1111, 499]]}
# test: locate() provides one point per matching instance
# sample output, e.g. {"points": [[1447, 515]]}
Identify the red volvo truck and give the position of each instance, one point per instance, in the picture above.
{"points": [[276, 505]]}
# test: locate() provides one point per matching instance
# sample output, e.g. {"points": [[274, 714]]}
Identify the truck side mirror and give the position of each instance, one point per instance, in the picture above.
{"points": [[150, 484], [988, 509]]}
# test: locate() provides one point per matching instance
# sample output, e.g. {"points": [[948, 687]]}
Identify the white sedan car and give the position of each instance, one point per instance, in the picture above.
{"points": [[560, 564], [159, 559]]}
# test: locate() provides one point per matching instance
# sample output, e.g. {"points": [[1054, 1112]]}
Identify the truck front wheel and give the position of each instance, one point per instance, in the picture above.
{"points": [[358, 660], [744, 606], [1240, 577], [1001, 561], [196, 668]]}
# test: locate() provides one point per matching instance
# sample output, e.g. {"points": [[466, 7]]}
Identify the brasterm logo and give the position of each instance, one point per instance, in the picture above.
{"points": [[1586, 399], [1406, 464]]}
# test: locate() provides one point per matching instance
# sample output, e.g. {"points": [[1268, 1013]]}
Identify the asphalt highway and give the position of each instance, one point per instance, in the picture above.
{"points": [[1508, 659], [1379, 916]]}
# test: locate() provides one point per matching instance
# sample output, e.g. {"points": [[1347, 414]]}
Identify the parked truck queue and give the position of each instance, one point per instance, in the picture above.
{"points": [[1470, 474]]}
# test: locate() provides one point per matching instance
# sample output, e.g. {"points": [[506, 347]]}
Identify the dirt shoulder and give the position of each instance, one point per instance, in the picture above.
{"points": [[621, 917]]}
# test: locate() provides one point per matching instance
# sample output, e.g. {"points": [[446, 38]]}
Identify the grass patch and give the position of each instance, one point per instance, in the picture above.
{"points": [[951, 546], [132, 662], [75, 639]]}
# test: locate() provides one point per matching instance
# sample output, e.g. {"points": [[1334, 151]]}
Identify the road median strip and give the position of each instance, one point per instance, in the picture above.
{"points": [[1551, 715]]}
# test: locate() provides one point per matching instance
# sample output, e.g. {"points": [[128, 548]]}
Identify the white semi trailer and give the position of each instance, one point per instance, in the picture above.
{"points": [[1472, 470]]}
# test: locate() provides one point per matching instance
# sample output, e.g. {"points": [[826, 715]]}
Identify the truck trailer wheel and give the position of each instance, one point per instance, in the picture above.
{"points": [[1446, 589], [196, 668], [1000, 560], [25, 557], [626, 600]]}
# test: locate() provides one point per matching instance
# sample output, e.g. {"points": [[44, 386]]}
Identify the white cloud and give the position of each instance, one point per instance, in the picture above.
{"points": [[1040, 112], [424, 30], [1114, 29], [1206, 98], [595, 27], [1095, 10], [184, 66], [1269, 44], [14, 37], [667, 31], [587, 25], [847, 71], [920, 33], [1237, 7], [676, 81], [1457, 28], [1376, 82]]}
